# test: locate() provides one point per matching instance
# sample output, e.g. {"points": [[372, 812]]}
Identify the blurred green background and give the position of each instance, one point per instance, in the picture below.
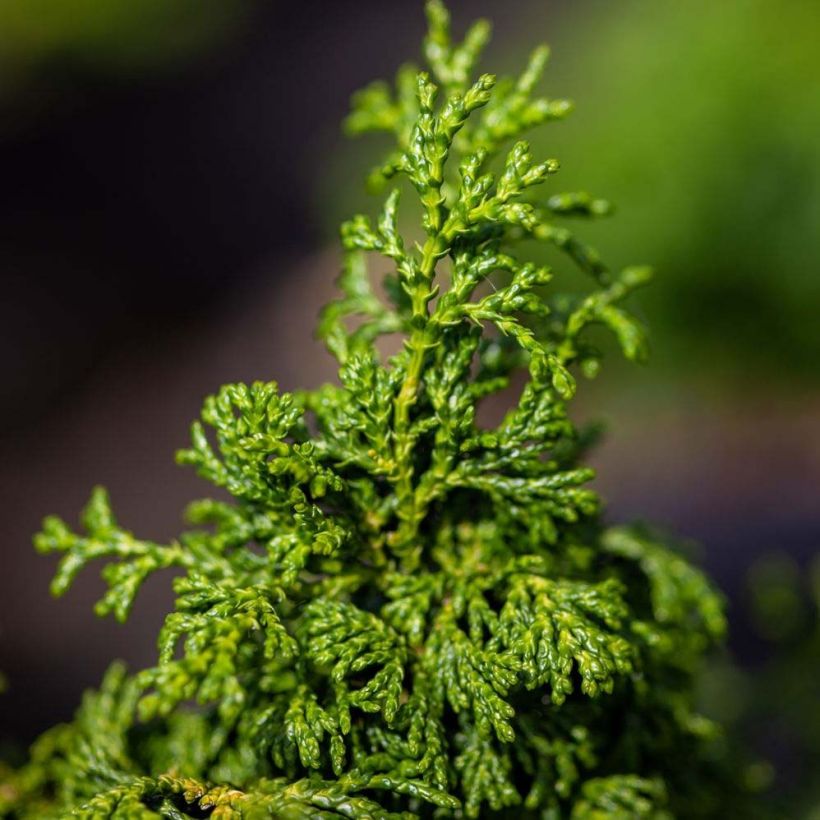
{"points": [[702, 120], [119, 36]]}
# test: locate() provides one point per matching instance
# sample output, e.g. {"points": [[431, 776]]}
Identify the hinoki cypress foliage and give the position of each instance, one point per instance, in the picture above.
{"points": [[401, 611]]}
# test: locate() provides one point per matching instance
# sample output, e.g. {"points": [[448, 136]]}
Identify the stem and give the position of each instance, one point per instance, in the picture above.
{"points": [[418, 344]]}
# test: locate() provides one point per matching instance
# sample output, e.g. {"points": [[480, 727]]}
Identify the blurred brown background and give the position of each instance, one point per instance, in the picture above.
{"points": [[172, 173]]}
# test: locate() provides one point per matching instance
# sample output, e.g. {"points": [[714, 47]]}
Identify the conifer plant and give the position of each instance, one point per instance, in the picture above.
{"points": [[403, 611]]}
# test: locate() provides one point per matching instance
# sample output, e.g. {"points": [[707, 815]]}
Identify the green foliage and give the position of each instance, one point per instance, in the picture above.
{"points": [[402, 611]]}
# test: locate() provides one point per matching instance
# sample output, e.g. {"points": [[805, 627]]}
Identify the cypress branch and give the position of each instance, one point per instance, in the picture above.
{"points": [[438, 624]]}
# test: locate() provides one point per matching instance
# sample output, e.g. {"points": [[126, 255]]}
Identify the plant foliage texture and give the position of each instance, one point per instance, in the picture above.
{"points": [[403, 611]]}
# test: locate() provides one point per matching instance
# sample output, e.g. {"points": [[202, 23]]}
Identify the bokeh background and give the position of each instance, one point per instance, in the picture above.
{"points": [[171, 176]]}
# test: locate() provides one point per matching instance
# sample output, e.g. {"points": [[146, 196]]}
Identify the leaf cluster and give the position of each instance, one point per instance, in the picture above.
{"points": [[403, 610]]}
